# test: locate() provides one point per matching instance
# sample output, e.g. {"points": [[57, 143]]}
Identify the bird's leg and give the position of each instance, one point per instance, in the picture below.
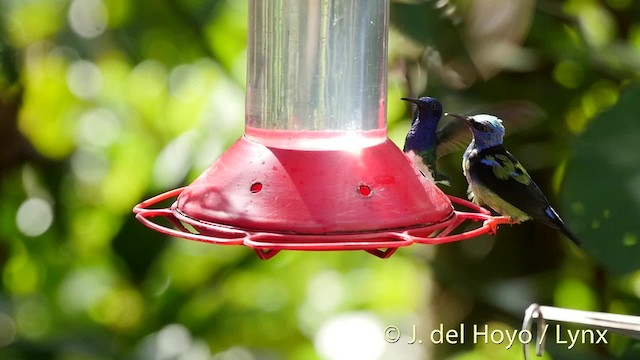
{"points": [[493, 223]]}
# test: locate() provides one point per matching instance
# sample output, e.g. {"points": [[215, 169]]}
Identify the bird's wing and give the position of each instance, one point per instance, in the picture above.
{"points": [[500, 172], [452, 135], [518, 115]]}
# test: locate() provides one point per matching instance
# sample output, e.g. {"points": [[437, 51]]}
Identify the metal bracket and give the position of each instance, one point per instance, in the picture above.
{"points": [[627, 325]]}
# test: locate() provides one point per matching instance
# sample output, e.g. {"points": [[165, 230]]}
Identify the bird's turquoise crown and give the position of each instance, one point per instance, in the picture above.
{"points": [[487, 130]]}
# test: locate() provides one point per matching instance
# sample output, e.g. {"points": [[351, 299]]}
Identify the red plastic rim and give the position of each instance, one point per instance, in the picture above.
{"points": [[302, 191], [266, 244]]}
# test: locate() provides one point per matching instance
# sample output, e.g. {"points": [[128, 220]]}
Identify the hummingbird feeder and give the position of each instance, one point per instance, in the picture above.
{"points": [[315, 169]]}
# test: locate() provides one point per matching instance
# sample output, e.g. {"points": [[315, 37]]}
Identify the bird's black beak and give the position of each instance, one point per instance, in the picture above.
{"points": [[467, 119], [415, 101]]}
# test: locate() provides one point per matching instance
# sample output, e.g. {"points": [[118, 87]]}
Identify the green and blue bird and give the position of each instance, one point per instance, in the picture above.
{"points": [[497, 179], [426, 141]]}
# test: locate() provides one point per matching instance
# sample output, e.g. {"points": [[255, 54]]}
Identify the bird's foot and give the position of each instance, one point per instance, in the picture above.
{"points": [[494, 222]]}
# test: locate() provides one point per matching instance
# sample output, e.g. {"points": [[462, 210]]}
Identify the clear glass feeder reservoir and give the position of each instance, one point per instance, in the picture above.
{"points": [[315, 169], [316, 73]]}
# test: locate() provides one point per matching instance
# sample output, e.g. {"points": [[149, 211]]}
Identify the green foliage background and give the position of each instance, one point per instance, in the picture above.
{"points": [[104, 103]]}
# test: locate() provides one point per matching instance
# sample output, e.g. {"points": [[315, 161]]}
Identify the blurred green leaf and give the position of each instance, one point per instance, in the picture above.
{"points": [[431, 23], [602, 185]]}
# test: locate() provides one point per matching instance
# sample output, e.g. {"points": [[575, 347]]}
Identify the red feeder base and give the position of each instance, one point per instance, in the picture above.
{"points": [[273, 199]]}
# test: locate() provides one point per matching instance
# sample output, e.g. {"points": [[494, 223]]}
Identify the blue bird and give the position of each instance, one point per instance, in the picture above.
{"points": [[426, 142], [497, 179]]}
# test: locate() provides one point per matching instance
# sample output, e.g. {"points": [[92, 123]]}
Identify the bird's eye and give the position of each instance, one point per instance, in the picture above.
{"points": [[481, 127]]}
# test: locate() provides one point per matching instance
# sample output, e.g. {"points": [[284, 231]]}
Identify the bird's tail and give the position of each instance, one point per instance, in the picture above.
{"points": [[557, 222], [568, 233]]}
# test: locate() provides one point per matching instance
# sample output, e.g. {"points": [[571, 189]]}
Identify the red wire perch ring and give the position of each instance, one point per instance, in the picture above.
{"points": [[221, 235], [267, 244]]}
